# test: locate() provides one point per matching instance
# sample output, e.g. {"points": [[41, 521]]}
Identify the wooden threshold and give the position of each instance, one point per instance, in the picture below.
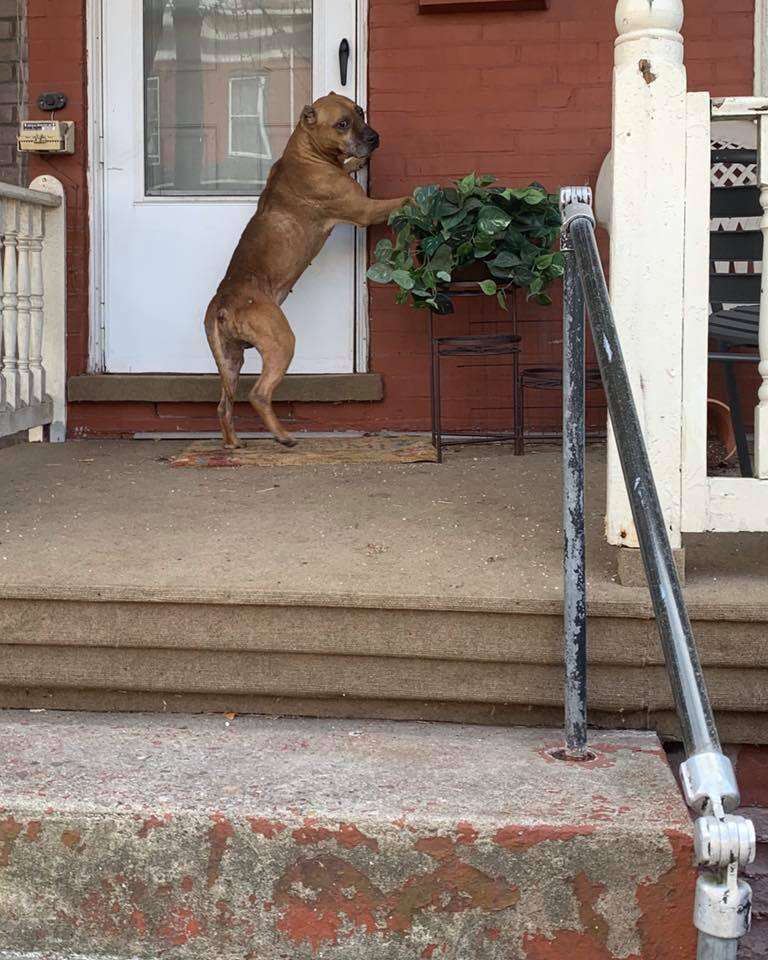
{"points": [[206, 388]]}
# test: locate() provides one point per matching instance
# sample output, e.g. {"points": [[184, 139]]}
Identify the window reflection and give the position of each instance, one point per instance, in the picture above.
{"points": [[224, 81]]}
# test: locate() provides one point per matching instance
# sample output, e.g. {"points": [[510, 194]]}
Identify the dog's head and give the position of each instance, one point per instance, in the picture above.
{"points": [[337, 127]]}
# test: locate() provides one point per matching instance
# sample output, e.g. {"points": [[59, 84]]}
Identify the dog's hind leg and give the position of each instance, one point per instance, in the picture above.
{"points": [[229, 360], [265, 326]]}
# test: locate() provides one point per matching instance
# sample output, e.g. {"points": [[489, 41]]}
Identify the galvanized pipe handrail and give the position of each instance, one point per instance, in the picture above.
{"points": [[723, 842]]}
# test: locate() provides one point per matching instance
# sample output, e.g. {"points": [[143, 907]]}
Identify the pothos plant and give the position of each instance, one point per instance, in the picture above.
{"points": [[504, 235]]}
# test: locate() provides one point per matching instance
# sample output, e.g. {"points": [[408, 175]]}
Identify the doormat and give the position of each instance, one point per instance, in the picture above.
{"points": [[309, 452]]}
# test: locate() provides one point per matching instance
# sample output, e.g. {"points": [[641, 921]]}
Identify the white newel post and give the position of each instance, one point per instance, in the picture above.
{"points": [[761, 411], [53, 263], [647, 244]]}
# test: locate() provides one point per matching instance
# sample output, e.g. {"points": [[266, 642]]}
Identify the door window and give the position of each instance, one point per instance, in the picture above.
{"points": [[224, 81]]}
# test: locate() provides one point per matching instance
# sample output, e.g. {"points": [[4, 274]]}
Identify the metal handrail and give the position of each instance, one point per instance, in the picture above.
{"points": [[722, 842]]}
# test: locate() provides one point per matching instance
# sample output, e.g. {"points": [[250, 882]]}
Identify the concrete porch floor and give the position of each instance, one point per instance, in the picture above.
{"points": [[483, 526], [420, 591]]}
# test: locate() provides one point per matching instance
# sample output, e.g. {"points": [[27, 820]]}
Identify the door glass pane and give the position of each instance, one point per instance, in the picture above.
{"points": [[224, 82]]}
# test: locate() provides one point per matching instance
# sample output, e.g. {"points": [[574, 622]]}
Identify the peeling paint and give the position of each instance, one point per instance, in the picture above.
{"points": [[269, 829], [347, 836], [153, 823], [218, 836], [524, 837], [72, 840], [9, 833]]}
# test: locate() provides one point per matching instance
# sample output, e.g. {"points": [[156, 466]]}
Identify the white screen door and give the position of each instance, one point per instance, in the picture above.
{"points": [[200, 97]]}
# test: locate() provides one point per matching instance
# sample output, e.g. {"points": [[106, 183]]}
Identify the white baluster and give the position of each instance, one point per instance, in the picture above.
{"points": [[761, 411], [10, 302], [23, 321], [2, 337], [36, 305], [647, 244]]}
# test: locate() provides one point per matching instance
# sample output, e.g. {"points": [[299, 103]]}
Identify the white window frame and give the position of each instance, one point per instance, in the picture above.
{"points": [[262, 80]]}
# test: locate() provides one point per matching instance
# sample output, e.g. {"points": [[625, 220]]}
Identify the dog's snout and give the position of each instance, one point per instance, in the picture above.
{"points": [[371, 136]]}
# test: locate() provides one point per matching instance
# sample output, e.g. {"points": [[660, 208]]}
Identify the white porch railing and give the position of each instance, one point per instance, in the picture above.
{"points": [[660, 266], [33, 301]]}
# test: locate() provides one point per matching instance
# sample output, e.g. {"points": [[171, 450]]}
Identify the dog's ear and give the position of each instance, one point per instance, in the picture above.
{"points": [[309, 115]]}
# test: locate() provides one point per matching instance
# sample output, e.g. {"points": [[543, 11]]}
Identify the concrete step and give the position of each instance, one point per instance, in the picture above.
{"points": [[203, 838], [418, 657]]}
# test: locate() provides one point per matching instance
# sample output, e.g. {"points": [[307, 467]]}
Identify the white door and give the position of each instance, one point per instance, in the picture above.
{"points": [[200, 97]]}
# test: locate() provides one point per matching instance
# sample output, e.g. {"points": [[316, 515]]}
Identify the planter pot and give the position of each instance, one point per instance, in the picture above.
{"points": [[472, 273]]}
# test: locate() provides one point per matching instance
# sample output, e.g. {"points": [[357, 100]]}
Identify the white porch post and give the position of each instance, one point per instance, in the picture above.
{"points": [[647, 244], [761, 411]]}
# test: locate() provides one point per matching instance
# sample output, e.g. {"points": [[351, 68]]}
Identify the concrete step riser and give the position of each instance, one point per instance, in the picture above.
{"points": [[59, 653], [134, 838]]}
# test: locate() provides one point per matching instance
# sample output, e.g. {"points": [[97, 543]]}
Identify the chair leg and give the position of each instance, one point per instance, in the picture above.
{"points": [[520, 449], [734, 402]]}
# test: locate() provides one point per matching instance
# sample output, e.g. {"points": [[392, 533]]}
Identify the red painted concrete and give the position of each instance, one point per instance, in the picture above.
{"points": [[521, 95], [298, 838]]}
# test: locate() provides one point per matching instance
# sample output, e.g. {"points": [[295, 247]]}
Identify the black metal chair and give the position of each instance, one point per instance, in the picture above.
{"points": [[735, 297]]}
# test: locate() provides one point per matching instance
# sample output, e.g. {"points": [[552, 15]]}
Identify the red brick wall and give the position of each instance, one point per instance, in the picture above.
{"points": [[57, 62], [751, 765], [13, 72], [520, 95]]}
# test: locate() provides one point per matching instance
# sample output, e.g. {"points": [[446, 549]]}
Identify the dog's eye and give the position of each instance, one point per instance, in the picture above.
{"points": [[342, 124]]}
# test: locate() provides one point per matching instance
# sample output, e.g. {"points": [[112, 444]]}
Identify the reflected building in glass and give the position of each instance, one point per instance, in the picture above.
{"points": [[224, 83]]}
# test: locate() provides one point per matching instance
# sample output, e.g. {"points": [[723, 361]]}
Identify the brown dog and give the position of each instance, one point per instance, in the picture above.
{"points": [[308, 192]]}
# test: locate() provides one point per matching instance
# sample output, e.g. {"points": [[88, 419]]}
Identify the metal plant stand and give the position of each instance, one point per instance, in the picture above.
{"points": [[480, 347]]}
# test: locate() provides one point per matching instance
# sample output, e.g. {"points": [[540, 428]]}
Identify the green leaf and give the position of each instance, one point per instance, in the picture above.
{"points": [[492, 219], [448, 223], [383, 250], [488, 287], [430, 244], [467, 184], [403, 279], [425, 195], [444, 276], [442, 259], [504, 258], [501, 297], [380, 273]]}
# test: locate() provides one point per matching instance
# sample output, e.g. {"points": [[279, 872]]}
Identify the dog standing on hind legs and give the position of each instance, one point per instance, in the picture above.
{"points": [[309, 190]]}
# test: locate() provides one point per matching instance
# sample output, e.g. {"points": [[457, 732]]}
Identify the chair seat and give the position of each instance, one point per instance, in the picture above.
{"points": [[551, 378], [736, 326]]}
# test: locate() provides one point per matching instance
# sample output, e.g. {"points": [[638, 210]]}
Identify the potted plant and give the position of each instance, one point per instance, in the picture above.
{"points": [[476, 232]]}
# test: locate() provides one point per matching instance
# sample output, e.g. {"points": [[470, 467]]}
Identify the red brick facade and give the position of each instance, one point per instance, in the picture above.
{"points": [[752, 771], [521, 95]]}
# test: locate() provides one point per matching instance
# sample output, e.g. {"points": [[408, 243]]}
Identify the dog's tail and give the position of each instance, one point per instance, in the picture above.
{"points": [[214, 339]]}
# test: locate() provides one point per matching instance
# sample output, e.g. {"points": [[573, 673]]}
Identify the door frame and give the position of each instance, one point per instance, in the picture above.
{"points": [[761, 49], [97, 201]]}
